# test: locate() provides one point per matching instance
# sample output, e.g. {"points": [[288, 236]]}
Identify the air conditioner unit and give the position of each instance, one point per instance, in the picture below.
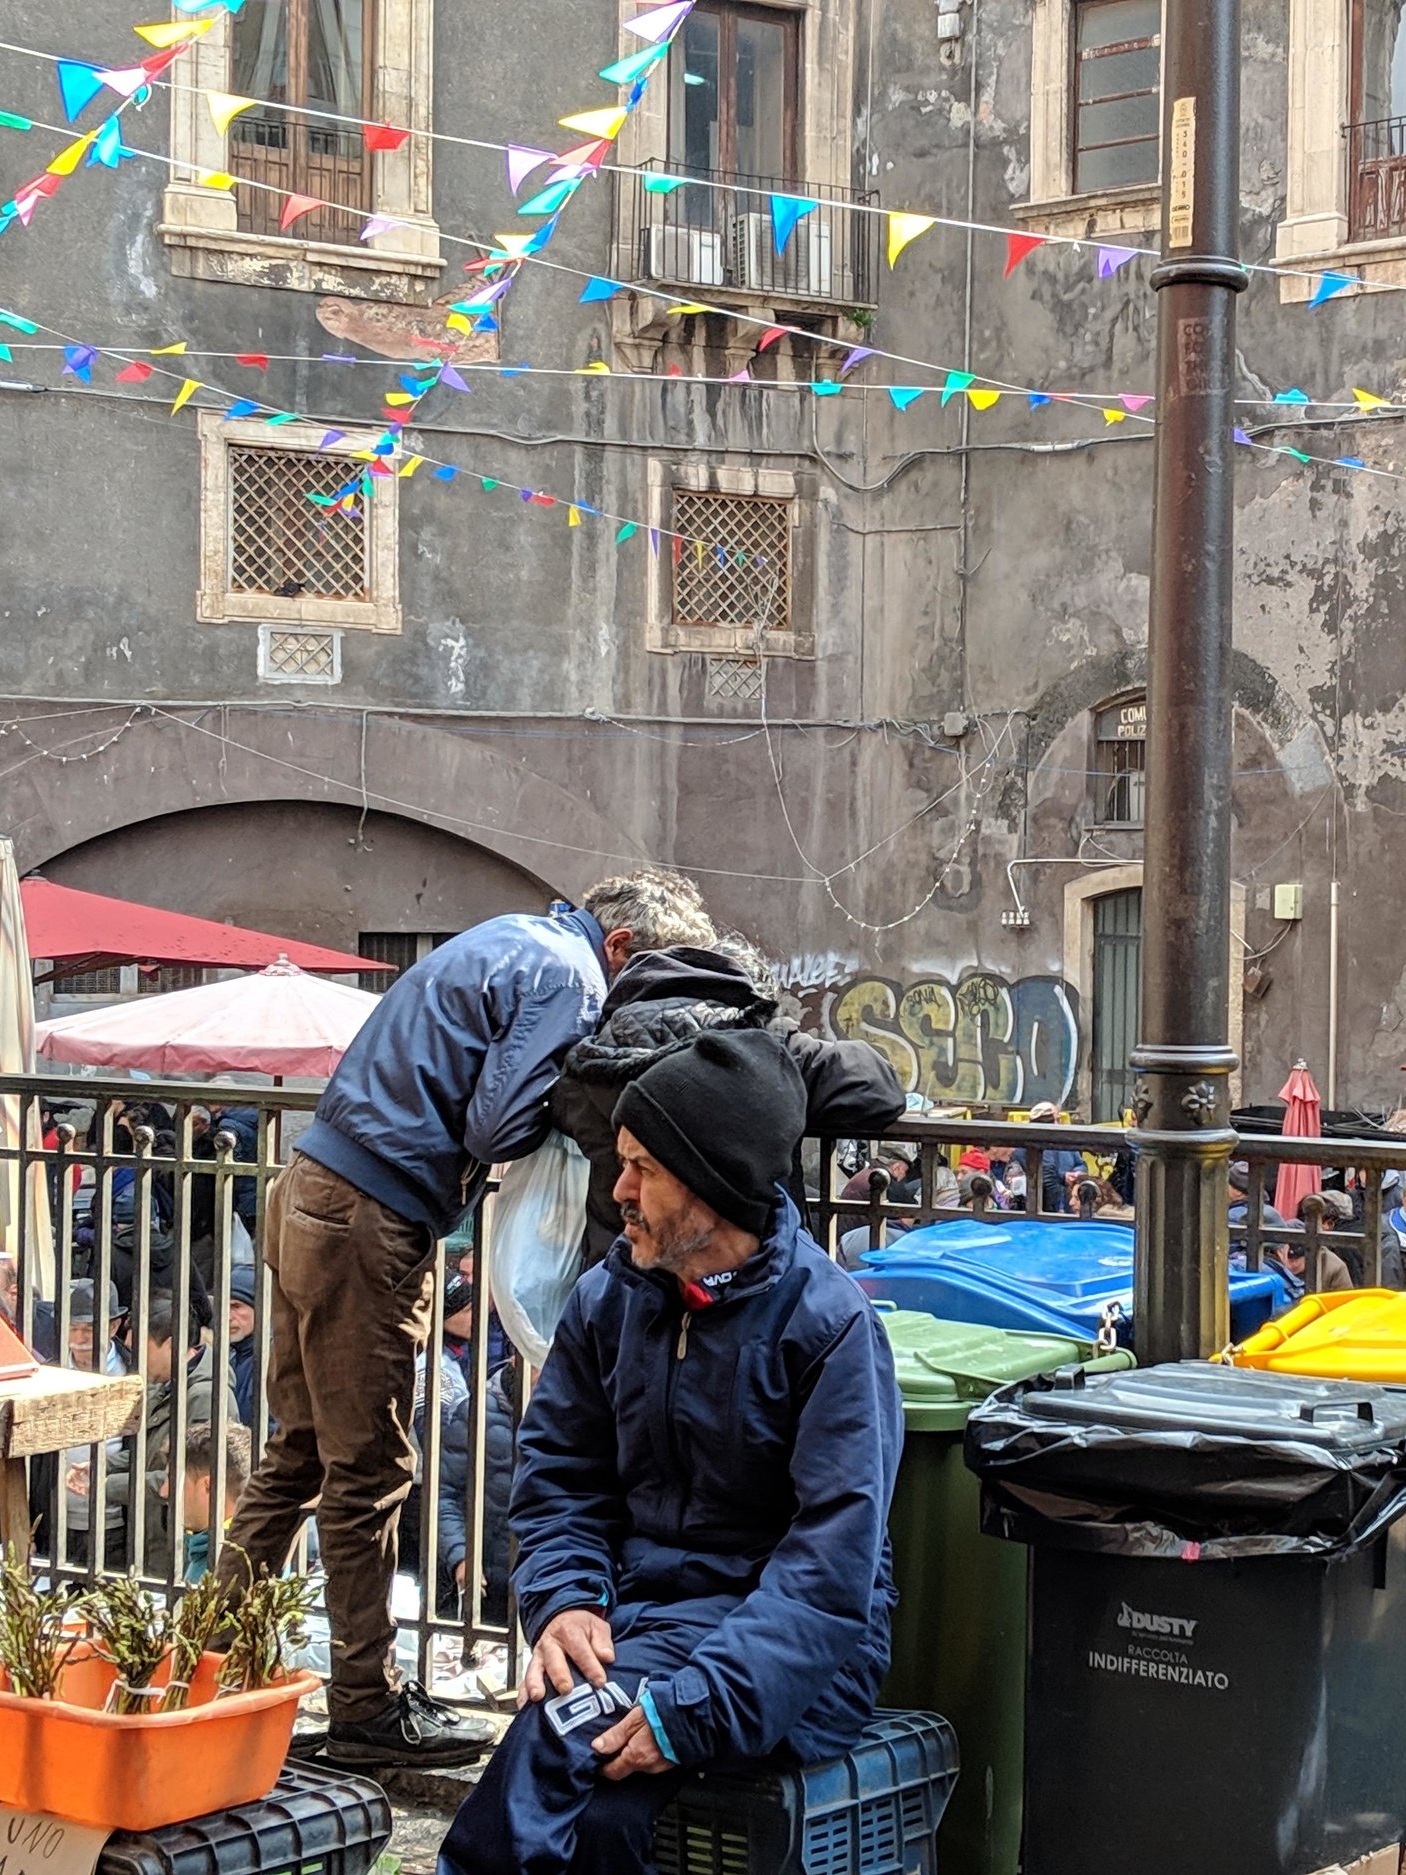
{"points": [[803, 271], [693, 256]]}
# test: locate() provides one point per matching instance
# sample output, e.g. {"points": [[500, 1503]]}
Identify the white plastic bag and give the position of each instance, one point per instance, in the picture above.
{"points": [[539, 1218]]}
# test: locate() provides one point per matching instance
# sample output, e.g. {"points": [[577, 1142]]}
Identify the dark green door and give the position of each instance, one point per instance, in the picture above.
{"points": [[1117, 986]]}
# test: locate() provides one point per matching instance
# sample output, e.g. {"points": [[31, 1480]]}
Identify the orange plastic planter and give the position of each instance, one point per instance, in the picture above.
{"points": [[71, 1759]]}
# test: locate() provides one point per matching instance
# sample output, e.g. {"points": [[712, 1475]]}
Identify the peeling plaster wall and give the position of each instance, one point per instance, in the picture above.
{"points": [[1009, 581]]}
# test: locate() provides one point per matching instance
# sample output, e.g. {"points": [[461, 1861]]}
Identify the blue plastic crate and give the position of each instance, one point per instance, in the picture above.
{"points": [[873, 1812], [311, 1823]]}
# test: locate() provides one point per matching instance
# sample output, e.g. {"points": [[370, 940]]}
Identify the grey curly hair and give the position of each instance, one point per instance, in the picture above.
{"points": [[657, 906]]}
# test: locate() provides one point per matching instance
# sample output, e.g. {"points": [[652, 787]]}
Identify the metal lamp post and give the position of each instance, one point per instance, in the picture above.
{"points": [[1183, 1062]]}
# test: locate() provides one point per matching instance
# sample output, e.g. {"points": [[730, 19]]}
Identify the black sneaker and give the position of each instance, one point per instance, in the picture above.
{"points": [[416, 1730]]}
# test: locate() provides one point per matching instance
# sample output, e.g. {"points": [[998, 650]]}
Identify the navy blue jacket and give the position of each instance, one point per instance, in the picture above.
{"points": [[451, 1070], [742, 1458]]}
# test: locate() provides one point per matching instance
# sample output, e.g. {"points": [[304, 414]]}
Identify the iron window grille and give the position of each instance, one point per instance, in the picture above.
{"points": [[732, 566], [284, 545], [1117, 94], [1121, 765]]}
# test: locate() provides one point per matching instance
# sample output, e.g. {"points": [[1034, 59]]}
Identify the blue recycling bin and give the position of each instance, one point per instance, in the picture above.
{"points": [[1049, 1279]]}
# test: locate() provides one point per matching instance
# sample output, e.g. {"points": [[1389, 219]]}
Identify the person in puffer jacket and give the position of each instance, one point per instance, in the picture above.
{"points": [[702, 1495], [666, 997]]}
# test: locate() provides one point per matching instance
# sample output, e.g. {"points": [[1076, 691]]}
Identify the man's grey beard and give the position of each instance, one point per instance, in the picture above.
{"points": [[676, 1249]]}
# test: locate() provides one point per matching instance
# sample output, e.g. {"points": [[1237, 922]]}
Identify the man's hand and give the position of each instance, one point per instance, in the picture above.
{"points": [[576, 1637], [630, 1746], [76, 1480]]}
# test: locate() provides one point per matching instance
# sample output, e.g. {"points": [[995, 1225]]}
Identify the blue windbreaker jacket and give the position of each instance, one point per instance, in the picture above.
{"points": [[451, 1070], [739, 1460]]}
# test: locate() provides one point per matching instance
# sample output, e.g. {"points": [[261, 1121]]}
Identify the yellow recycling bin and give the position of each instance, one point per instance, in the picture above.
{"points": [[1347, 1334]]}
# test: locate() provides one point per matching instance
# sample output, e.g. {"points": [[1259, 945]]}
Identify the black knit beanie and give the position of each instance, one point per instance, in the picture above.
{"points": [[723, 1113]]}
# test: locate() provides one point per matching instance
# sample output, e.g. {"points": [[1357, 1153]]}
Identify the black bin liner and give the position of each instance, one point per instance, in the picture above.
{"points": [[1195, 1461]]}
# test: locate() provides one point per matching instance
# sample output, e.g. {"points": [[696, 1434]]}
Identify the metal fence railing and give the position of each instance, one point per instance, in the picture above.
{"points": [[157, 1202]]}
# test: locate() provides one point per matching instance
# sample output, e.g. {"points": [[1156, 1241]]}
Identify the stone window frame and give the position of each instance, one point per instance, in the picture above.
{"points": [[198, 225], [217, 605], [801, 489], [1053, 207], [829, 34], [1314, 233]]}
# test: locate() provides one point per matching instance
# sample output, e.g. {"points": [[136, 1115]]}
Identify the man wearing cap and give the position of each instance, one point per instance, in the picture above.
{"points": [[703, 1487], [1060, 1167]]}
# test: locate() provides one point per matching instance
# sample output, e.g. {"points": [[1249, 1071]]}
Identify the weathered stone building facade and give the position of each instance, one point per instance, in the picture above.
{"points": [[924, 797]]}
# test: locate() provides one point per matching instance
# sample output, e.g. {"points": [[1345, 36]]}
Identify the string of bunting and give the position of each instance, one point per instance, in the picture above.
{"points": [[79, 360], [386, 457], [1114, 407], [477, 314], [602, 127], [1360, 403]]}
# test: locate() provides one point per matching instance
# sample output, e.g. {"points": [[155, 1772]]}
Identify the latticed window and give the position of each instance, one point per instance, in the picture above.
{"points": [[282, 544], [733, 567]]}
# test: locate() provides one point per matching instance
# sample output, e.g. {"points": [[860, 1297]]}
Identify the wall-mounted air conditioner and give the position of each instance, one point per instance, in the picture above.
{"points": [[692, 256], [803, 271]]}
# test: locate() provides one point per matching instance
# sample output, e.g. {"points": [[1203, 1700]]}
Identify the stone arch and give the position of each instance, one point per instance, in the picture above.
{"points": [[169, 762]]}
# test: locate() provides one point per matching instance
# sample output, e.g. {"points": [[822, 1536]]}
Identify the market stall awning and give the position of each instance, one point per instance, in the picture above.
{"points": [[80, 931]]}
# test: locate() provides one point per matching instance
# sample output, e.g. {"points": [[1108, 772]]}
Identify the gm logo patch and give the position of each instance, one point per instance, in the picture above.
{"points": [[584, 1705]]}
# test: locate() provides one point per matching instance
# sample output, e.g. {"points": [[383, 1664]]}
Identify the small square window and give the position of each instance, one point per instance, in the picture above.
{"points": [[732, 566], [278, 545]]}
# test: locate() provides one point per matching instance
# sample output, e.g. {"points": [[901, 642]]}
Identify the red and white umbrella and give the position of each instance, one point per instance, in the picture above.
{"points": [[279, 1021], [1303, 1119]]}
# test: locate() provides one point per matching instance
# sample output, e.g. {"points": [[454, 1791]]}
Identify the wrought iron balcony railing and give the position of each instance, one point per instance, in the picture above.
{"points": [[716, 232]]}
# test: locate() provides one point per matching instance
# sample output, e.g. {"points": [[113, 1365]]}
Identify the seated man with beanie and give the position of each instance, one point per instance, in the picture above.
{"points": [[703, 1487]]}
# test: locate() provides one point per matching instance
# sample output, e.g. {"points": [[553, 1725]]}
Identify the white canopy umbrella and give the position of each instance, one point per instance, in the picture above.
{"points": [[278, 1021]]}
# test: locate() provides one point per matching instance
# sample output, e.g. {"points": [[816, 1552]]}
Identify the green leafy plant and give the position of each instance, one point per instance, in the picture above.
{"points": [[198, 1614], [266, 1624], [133, 1632], [37, 1632]]}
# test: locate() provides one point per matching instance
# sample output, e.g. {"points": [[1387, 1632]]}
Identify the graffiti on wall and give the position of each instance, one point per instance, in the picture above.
{"points": [[980, 1038]]}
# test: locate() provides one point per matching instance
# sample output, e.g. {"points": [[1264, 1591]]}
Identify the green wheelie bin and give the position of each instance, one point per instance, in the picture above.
{"points": [[959, 1629]]}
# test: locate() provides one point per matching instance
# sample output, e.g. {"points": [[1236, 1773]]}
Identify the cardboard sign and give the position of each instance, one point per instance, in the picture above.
{"points": [[34, 1844]]}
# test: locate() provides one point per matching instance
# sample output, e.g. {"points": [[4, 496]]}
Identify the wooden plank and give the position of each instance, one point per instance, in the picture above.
{"points": [[14, 1506], [56, 1408]]}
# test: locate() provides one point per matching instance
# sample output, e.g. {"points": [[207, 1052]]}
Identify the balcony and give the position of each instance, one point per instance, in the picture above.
{"points": [[715, 234], [1376, 154]]}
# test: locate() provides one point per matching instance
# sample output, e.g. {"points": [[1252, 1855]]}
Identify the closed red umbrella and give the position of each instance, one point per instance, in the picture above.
{"points": [[1303, 1119]]}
